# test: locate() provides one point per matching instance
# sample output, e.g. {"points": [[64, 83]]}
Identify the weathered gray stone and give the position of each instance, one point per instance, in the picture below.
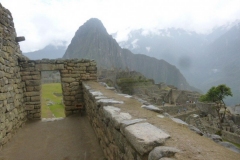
{"points": [[216, 138], [162, 151], [125, 95], [144, 136], [195, 129], [48, 67], [153, 108], [2, 117], [33, 82], [179, 121], [109, 101], [230, 146], [100, 97], [96, 93], [126, 123], [68, 80], [3, 96], [115, 115], [30, 94], [160, 116], [35, 98]]}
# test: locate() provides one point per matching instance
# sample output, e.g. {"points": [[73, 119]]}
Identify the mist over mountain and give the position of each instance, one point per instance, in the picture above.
{"points": [[204, 59], [50, 52], [92, 41], [223, 57]]}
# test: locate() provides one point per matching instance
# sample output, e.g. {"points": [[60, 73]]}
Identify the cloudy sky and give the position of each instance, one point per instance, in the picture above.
{"points": [[51, 21]]}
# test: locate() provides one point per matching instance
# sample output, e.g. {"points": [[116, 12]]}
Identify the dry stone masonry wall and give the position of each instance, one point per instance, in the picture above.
{"points": [[120, 135], [72, 73], [12, 111]]}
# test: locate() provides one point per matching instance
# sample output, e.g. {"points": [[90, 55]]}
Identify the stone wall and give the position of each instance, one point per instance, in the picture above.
{"points": [[207, 108], [231, 137], [119, 134], [72, 73], [12, 111]]}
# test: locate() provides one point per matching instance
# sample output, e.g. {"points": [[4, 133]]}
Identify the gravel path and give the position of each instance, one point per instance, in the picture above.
{"points": [[71, 138]]}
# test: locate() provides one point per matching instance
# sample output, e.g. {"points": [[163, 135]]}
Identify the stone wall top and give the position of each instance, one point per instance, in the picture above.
{"points": [[122, 135]]}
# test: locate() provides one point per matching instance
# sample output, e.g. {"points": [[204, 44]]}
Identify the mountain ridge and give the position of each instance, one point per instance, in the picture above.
{"points": [[208, 60], [50, 52], [95, 43]]}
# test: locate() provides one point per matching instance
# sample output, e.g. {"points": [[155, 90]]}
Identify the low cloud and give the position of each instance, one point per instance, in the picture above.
{"points": [[45, 21]]}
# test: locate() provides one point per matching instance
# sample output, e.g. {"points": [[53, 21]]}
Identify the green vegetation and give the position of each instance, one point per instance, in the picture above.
{"points": [[52, 104], [236, 144], [216, 95], [131, 80]]}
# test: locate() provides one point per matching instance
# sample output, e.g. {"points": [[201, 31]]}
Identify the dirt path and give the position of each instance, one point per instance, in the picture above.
{"points": [[192, 145], [69, 139]]}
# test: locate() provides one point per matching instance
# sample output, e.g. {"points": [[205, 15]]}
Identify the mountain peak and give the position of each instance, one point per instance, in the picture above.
{"points": [[93, 24], [94, 21], [92, 41]]}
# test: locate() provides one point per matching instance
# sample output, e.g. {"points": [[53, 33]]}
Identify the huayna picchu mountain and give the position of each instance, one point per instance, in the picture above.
{"points": [[91, 41]]}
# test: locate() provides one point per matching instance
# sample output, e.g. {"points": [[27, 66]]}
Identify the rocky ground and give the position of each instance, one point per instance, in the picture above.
{"points": [[71, 138], [192, 145]]}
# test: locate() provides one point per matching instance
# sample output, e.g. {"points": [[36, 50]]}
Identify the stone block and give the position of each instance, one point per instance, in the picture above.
{"points": [[27, 77], [153, 108], [68, 113], [69, 108], [3, 96], [116, 117], [68, 80], [33, 82], [29, 107], [30, 94], [59, 66], [44, 67], [69, 98], [162, 151], [126, 123], [2, 74], [36, 77], [37, 115], [109, 101], [67, 103], [2, 117], [144, 136], [35, 98], [91, 68]]}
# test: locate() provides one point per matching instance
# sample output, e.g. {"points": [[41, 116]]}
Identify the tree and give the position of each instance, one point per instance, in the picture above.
{"points": [[216, 95]]}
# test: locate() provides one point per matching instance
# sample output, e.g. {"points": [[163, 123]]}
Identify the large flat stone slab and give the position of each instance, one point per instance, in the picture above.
{"points": [[162, 151], [177, 120], [96, 93], [125, 95], [115, 115], [109, 101], [145, 136], [152, 108]]}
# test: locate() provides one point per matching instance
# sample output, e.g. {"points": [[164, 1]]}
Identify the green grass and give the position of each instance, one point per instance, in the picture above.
{"points": [[236, 144], [57, 109]]}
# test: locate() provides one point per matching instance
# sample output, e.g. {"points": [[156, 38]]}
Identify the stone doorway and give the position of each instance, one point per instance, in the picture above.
{"points": [[51, 95], [72, 73]]}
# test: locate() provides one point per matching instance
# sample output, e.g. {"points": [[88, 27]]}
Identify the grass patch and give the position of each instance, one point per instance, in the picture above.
{"points": [[236, 144], [51, 104]]}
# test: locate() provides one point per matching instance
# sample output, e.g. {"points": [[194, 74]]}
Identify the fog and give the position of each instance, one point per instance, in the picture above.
{"points": [[44, 22]]}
